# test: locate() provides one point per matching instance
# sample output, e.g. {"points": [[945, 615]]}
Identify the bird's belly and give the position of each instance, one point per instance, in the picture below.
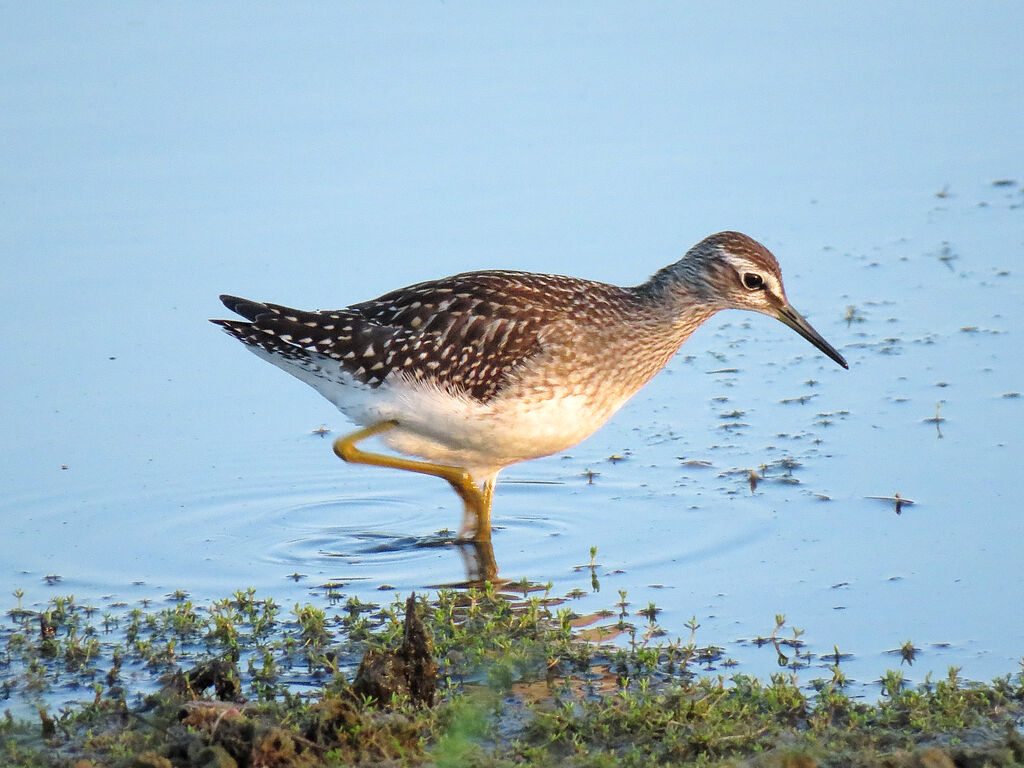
{"points": [[484, 439]]}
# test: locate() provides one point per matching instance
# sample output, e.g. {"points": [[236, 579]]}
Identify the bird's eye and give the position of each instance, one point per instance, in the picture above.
{"points": [[753, 281]]}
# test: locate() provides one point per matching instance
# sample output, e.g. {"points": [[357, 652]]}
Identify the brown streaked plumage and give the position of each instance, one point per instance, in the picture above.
{"points": [[484, 369]]}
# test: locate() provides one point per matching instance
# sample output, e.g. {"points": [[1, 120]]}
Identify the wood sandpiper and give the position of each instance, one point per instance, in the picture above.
{"points": [[474, 372]]}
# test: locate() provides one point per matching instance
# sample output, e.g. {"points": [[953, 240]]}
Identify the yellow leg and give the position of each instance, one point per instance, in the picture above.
{"points": [[477, 502], [483, 523]]}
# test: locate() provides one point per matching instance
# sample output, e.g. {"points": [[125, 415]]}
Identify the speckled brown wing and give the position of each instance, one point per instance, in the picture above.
{"points": [[466, 333], [308, 338]]}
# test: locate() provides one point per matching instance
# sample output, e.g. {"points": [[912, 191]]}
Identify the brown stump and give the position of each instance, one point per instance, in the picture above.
{"points": [[408, 671]]}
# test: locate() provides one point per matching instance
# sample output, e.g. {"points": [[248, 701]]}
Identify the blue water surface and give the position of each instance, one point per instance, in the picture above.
{"points": [[316, 155]]}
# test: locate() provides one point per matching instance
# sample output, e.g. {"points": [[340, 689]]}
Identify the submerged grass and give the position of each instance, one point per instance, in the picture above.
{"points": [[243, 682]]}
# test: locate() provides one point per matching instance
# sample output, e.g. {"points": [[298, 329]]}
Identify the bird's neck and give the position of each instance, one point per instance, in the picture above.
{"points": [[671, 307], [659, 323]]}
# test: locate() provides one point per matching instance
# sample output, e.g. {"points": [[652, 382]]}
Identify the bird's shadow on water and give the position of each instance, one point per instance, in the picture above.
{"points": [[477, 556], [376, 542]]}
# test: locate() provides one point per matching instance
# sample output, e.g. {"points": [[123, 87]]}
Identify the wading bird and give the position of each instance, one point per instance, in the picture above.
{"points": [[474, 372]]}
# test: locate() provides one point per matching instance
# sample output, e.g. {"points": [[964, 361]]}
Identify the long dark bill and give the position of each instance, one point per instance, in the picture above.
{"points": [[796, 321]]}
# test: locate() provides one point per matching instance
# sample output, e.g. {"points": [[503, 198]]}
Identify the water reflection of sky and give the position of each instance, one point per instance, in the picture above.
{"points": [[153, 159]]}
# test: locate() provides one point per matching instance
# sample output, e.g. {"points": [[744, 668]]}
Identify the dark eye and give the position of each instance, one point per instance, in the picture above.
{"points": [[753, 281]]}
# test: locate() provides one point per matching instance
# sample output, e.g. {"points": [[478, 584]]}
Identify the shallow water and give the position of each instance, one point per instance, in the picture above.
{"points": [[157, 162]]}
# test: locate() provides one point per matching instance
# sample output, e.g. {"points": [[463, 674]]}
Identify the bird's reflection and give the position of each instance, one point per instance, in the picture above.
{"points": [[478, 559]]}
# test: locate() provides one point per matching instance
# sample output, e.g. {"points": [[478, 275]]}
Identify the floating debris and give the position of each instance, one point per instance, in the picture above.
{"points": [[853, 315], [946, 256], [936, 419], [907, 653], [697, 462], [896, 499], [800, 400]]}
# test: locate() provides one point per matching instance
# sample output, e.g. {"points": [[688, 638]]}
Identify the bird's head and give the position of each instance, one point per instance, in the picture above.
{"points": [[730, 270]]}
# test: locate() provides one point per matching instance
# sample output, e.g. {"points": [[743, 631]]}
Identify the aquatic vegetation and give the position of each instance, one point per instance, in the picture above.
{"points": [[513, 680]]}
